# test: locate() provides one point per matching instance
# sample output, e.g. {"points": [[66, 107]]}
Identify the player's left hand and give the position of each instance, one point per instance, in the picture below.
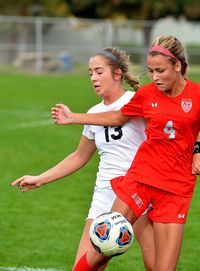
{"points": [[196, 164]]}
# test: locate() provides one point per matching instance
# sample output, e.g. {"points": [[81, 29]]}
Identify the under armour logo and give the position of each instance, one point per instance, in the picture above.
{"points": [[181, 216], [154, 104]]}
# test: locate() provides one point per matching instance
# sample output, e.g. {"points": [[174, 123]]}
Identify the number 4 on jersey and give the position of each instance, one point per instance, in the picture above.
{"points": [[169, 130]]}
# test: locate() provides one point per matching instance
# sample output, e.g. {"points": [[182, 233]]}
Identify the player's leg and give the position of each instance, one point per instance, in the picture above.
{"points": [[96, 259], [121, 207], [102, 202], [143, 227], [85, 244], [144, 232], [168, 242], [92, 260], [169, 215]]}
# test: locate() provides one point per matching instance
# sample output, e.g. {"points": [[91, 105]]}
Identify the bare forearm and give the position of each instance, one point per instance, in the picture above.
{"points": [[63, 115], [112, 118], [66, 167]]}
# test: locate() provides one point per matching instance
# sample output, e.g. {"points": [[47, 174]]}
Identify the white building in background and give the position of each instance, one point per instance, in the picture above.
{"points": [[187, 32]]}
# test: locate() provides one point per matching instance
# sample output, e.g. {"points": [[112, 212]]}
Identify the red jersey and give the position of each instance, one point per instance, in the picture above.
{"points": [[164, 159]]}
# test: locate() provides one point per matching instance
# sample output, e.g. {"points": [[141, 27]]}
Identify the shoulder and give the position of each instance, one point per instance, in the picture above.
{"points": [[127, 97], [129, 93], [193, 89], [147, 87], [96, 108], [193, 84], [146, 91]]}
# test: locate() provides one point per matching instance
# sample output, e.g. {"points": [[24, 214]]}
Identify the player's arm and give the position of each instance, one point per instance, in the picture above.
{"points": [[69, 165], [63, 115], [196, 156]]}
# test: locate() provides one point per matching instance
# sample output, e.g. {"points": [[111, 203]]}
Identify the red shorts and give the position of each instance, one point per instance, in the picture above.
{"points": [[166, 206]]}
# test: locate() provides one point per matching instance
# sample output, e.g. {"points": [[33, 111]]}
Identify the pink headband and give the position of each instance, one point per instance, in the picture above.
{"points": [[160, 49]]}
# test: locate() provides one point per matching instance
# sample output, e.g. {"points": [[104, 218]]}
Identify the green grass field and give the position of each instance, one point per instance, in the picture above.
{"points": [[41, 229]]}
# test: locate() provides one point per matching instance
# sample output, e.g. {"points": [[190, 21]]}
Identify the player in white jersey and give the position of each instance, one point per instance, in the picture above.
{"points": [[116, 147], [115, 143]]}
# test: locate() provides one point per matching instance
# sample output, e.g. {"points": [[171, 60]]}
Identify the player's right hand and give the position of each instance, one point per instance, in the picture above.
{"points": [[61, 114], [27, 182]]}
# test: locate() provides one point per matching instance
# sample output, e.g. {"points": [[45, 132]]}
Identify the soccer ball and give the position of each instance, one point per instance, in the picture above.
{"points": [[111, 234]]}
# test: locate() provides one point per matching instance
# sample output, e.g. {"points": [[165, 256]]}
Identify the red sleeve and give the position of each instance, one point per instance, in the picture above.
{"points": [[134, 108]]}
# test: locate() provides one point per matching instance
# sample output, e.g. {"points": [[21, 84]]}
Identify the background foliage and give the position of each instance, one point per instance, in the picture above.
{"points": [[127, 9]]}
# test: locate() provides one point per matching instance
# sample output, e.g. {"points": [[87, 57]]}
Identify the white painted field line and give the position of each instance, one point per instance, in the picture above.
{"points": [[24, 112], [26, 268], [29, 124]]}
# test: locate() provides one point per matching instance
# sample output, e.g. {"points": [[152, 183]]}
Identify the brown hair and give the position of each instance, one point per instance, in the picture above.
{"points": [[118, 59], [174, 46]]}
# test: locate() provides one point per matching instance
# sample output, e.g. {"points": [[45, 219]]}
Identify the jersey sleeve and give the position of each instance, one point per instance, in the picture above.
{"points": [[87, 131], [134, 108]]}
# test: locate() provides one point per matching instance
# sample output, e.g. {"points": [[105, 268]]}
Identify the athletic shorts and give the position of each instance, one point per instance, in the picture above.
{"points": [[166, 207], [102, 202]]}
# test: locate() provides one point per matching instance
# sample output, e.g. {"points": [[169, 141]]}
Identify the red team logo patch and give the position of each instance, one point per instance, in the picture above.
{"points": [[137, 200], [186, 105]]}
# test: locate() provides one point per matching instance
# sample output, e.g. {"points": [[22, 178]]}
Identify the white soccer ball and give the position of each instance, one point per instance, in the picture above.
{"points": [[111, 234]]}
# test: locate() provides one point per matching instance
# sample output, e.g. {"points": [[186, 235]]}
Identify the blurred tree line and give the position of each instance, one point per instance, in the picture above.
{"points": [[103, 9]]}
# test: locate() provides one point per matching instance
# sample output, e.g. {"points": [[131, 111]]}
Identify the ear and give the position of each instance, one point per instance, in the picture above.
{"points": [[178, 66], [118, 74]]}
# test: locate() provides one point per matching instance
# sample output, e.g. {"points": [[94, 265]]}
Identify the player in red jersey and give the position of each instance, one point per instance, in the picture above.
{"points": [[161, 172]]}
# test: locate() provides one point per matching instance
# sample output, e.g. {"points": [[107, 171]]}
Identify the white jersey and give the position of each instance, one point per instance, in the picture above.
{"points": [[116, 146]]}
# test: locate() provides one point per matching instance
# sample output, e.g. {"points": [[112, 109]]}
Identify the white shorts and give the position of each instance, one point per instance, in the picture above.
{"points": [[102, 202]]}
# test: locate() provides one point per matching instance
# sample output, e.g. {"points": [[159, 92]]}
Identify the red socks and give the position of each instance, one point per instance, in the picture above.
{"points": [[82, 265]]}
